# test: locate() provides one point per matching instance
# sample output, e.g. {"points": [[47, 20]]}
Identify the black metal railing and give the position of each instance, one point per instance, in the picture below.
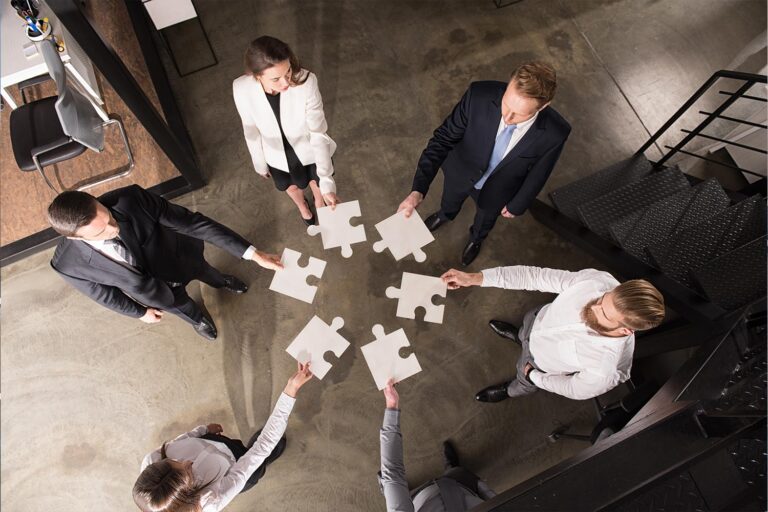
{"points": [[747, 81]]}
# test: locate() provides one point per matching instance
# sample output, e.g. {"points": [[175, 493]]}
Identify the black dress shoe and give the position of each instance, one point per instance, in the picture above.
{"points": [[234, 285], [313, 219], [470, 252], [495, 393], [450, 457], [505, 330], [207, 329], [434, 221]]}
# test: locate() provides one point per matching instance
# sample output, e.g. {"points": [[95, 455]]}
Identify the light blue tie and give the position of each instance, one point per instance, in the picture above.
{"points": [[502, 141]]}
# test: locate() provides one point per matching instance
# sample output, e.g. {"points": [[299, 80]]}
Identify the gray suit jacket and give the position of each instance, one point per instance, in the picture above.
{"points": [[442, 495]]}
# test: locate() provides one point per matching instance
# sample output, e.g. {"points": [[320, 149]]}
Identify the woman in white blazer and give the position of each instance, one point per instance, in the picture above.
{"points": [[284, 124], [202, 470]]}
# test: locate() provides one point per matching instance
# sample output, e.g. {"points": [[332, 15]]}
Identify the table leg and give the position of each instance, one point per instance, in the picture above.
{"points": [[8, 99]]}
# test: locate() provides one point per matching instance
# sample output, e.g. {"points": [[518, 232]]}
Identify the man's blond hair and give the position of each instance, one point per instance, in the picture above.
{"points": [[537, 80], [640, 303]]}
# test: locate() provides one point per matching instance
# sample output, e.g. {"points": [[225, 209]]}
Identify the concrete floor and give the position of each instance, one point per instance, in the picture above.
{"points": [[86, 393]]}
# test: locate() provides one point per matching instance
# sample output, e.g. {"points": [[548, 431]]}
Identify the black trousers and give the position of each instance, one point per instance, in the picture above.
{"points": [[183, 305], [450, 206], [238, 449]]}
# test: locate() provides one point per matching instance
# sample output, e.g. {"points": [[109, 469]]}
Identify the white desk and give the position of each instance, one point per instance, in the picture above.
{"points": [[15, 67]]}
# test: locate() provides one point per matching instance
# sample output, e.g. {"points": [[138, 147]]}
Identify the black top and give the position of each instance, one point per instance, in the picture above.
{"points": [[294, 164]]}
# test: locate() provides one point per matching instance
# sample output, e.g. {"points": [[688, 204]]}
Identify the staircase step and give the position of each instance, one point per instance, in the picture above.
{"points": [[691, 248], [679, 211], [737, 278], [599, 213], [568, 197]]}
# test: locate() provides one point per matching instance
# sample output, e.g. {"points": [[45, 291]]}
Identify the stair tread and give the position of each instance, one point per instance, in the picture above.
{"points": [[736, 278], [679, 211], [568, 197], [691, 248], [600, 212]]}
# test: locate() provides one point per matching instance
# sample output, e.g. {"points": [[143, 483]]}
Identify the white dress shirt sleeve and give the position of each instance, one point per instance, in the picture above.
{"points": [[578, 386], [249, 252], [155, 456], [521, 277], [233, 482], [318, 138], [250, 130]]}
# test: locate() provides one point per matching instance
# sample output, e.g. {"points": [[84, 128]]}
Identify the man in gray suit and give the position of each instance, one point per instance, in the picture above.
{"points": [[457, 489]]}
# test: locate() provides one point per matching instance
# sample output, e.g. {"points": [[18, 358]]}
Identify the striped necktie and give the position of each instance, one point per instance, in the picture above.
{"points": [[119, 247]]}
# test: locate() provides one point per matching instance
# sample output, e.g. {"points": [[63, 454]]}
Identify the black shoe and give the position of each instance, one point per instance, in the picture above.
{"points": [[313, 219], [450, 457], [207, 329], [505, 330], [470, 252], [434, 221], [495, 393], [234, 285]]}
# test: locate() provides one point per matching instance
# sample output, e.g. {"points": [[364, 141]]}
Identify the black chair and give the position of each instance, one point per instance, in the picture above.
{"points": [[58, 128], [612, 417]]}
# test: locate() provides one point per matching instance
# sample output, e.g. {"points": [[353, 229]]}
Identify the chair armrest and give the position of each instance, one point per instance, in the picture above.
{"points": [[39, 150]]}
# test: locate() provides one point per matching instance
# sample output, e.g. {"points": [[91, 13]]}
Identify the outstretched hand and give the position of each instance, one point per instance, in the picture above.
{"points": [[457, 279], [266, 260], [391, 396], [410, 203], [298, 379]]}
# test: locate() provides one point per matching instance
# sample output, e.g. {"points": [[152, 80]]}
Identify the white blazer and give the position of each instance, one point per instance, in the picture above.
{"points": [[303, 120]]}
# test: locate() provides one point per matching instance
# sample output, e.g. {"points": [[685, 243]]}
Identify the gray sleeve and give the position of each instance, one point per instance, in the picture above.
{"points": [[485, 492], [393, 481]]}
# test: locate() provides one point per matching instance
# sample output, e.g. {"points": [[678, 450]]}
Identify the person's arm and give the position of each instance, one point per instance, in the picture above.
{"points": [[578, 386], [393, 482], [108, 296], [237, 476], [534, 181], [251, 131], [318, 138], [522, 277]]}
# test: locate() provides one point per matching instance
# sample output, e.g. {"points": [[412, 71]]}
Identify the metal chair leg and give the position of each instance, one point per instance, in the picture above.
{"points": [[42, 173], [120, 172]]}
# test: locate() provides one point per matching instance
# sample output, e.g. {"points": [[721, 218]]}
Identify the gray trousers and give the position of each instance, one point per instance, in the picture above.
{"points": [[520, 385]]}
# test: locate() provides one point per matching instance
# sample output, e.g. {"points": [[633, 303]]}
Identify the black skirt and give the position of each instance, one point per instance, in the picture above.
{"points": [[299, 175]]}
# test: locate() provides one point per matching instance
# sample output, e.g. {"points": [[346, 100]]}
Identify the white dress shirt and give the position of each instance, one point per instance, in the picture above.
{"points": [[517, 135], [579, 363], [214, 464]]}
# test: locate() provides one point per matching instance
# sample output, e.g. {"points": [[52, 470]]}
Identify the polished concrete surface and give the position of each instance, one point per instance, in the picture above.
{"points": [[86, 393]]}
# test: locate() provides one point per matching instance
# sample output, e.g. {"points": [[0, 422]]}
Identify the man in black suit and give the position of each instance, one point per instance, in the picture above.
{"points": [[134, 252], [498, 146]]}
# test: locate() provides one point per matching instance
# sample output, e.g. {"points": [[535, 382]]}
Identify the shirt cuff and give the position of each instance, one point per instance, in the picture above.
{"points": [[534, 376], [488, 275], [248, 254], [392, 417]]}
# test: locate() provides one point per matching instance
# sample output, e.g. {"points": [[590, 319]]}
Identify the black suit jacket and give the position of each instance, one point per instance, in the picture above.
{"points": [[463, 145], [166, 240]]}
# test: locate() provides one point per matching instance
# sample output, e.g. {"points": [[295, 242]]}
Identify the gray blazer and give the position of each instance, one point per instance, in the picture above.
{"points": [[442, 495]]}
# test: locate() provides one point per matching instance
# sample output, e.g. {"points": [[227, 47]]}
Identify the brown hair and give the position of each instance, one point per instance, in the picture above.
{"points": [[70, 211], [641, 304], [164, 488], [267, 51], [537, 80]]}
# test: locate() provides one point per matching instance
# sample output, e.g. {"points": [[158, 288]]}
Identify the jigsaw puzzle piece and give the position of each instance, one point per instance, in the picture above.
{"points": [[334, 227], [416, 291], [383, 358], [292, 279], [315, 340], [403, 236]]}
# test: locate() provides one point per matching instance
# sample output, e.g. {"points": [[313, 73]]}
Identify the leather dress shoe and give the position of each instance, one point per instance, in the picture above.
{"points": [[505, 330], [492, 394], [234, 285], [470, 252], [207, 329], [434, 221], [450, 457]]}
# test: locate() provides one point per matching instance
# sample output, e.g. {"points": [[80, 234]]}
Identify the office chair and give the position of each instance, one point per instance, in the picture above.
{"points": [[612, 417], [58, 128]]}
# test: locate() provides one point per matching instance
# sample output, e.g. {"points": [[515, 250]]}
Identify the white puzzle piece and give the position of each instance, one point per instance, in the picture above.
{"points": [[418, 290], [292, 279], [403, 236], [384, 360], [335, 229], [314, 341]]}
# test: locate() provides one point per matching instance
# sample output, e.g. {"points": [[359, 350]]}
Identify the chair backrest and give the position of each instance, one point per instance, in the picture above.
{"points": [[77, 116]]}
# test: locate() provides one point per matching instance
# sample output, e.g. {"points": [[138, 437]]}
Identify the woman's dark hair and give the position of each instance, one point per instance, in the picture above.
{"points": [[164, 488], [70, 211], [267, 51]]}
